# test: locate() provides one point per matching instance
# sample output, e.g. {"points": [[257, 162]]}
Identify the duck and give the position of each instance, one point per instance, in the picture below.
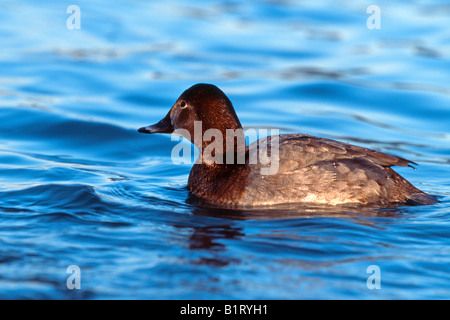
{"points": [[309, 169]]}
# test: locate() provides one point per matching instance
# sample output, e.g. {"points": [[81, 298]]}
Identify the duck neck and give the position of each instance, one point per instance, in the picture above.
{"points": [[218, 147]]}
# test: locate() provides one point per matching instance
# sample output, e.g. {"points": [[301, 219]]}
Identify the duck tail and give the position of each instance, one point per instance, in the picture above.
{"points": [[422, 198]]}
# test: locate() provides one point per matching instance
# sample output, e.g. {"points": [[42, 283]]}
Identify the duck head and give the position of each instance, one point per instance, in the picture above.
{"points": [[199, 108]]}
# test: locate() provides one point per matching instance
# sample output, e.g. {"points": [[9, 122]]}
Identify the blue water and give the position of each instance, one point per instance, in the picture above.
{"points": [[80, 186]]}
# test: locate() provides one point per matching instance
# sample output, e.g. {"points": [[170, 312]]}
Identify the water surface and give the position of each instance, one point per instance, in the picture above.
{"points": [[80, 186]]}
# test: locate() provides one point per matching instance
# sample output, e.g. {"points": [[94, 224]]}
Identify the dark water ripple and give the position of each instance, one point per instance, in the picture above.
{"points": [[79, 186]]}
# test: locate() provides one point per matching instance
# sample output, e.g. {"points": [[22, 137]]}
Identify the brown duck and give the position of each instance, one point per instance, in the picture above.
{"points": [[309, 169]]}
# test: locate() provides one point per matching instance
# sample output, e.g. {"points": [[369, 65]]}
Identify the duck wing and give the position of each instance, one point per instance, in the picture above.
{"points": [[300, 150], [327, 171]]}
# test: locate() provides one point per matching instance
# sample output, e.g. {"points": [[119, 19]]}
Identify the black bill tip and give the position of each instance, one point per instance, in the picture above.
{"points": [[163, 126]]}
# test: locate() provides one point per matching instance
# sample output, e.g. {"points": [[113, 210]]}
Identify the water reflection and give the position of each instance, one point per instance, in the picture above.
{"points": [[208, 239], [299, 235], [295, 210]]}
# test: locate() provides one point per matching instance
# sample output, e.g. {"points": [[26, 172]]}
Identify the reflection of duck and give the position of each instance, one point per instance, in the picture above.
{"points": [[310, 169], [297, 211]]}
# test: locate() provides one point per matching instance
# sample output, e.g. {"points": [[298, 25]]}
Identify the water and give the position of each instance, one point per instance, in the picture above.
{"points": [[80, 186]]}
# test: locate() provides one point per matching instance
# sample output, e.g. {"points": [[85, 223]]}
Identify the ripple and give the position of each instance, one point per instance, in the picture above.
{"points": [[79, 185], [52, 196]]}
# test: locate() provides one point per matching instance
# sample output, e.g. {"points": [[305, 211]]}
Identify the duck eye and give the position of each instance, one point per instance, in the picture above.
{"points": [[183, 104]]}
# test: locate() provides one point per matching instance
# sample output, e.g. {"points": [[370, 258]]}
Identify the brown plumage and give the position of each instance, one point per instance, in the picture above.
{"points": [[310, 169]]}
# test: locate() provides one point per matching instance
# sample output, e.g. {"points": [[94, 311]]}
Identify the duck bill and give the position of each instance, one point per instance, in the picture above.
{"points": [[163, 126]]}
